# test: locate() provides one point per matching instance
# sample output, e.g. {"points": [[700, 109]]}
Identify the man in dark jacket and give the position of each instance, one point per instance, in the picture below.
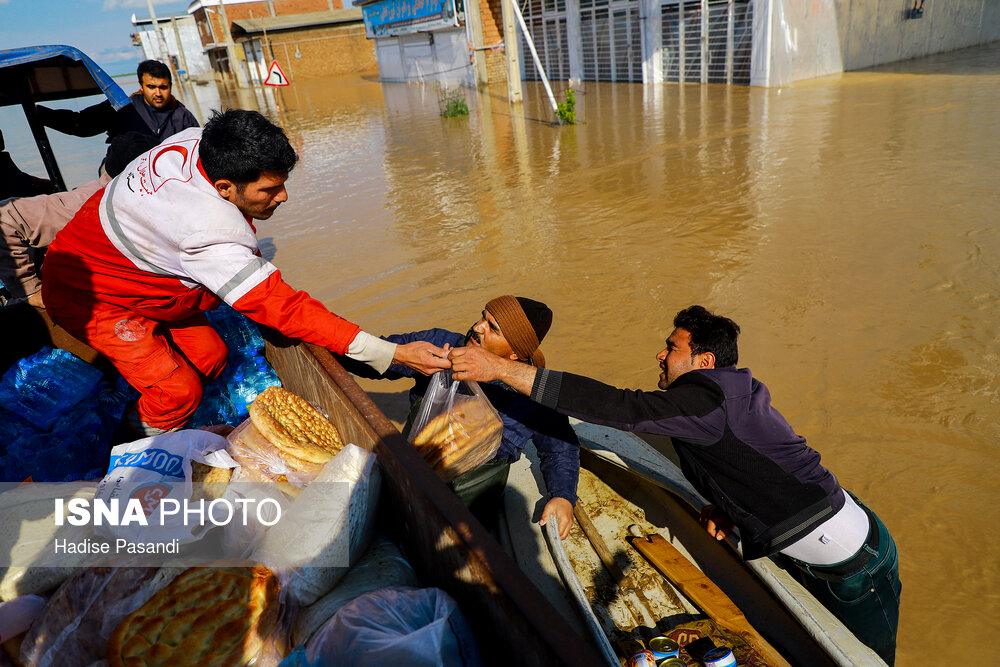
{"points": [[512, 327], [153, 110], [741, 454]]}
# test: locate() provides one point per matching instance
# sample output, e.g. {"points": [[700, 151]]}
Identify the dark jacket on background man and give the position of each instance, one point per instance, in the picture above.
{"points": [[135, 117]]}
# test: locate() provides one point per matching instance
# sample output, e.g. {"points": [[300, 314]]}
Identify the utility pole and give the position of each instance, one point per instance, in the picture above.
{"points": [[162, 40], [234, 63], [512, 52], [180, 47]]}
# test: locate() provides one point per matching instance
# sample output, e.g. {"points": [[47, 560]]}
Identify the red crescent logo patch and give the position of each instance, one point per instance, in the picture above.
{"points": [[180, 149], [161, 171]]}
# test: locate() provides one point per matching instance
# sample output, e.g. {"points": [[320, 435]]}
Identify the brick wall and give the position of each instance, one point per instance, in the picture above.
{"points": [[492, 18], [325, 51], [281, 8]]}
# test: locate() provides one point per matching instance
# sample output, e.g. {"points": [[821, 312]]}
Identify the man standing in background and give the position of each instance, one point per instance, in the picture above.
{"points": [[153, 110]]}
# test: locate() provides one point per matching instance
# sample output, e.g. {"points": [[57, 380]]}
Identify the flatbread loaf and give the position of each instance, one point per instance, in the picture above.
{"points": [[209, 482], [295, 427], [208, 616], [452, 436], [69, 630]]}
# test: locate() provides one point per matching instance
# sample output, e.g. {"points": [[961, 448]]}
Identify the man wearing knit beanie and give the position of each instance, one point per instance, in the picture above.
{"points": [[513, 328]]}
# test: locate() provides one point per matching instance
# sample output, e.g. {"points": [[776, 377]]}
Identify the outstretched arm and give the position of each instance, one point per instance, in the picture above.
{"points": [[86, 123], [475, 363]]}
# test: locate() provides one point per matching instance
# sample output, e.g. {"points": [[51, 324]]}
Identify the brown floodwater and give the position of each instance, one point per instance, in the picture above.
{"points": [[849, 224]]}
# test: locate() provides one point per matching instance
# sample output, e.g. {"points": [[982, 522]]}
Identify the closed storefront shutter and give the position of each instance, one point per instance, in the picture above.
{"points": [[611, 35], [723, 41], [546, 21]]}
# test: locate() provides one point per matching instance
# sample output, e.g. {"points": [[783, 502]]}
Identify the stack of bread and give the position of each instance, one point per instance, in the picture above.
{"points": [[286, 440], [464, 437], [206, 616], [216, 615]]}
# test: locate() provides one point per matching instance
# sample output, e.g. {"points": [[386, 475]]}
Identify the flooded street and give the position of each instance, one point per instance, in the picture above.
{"points": [[849, 224]]}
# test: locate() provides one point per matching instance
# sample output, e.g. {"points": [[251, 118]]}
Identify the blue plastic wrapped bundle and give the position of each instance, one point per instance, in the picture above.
{"points": [[12, 429], [75, 447], [215, 407], [250, 376], [46, 385], [247, 372], [239, 332]]}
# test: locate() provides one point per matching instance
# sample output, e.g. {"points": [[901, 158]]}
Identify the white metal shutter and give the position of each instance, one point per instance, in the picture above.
{"points": [[726, 41], [546, 21], [611, 35]]}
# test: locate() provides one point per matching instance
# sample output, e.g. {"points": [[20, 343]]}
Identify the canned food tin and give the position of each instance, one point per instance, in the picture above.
{"points": [[721, 656], [642, 658], [663, 647], [672, 662]]}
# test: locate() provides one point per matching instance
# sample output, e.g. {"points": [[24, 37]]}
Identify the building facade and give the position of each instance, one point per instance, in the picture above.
{"points": [[308, 38], [748, 42], [183, 46]]}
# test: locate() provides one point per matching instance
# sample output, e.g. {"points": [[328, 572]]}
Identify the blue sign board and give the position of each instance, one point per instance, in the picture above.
{"points": [[397, 17]]}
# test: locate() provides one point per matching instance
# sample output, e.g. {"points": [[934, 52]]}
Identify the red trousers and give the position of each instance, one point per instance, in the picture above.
{"points": [[165, 361]]}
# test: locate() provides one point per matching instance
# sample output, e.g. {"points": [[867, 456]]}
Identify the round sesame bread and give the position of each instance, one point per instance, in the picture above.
{"points": [[208, 616], [295, 427]]}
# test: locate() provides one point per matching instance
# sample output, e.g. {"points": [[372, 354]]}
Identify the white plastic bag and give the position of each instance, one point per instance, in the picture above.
{"points": [[18, 614], [28, 533], [381, 566], [456, 428], [326, 529], [263, 462], [74, 627], [152, 470], [417, 627]]}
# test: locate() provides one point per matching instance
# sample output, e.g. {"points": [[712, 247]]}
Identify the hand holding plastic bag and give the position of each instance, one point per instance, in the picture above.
{"points": [[456, 428]]}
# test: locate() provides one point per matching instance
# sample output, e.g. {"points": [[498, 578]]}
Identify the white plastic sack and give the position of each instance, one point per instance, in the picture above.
{"points": [[416, 627], [326, 529], [154, 469], [27, 537], [383, 565]]}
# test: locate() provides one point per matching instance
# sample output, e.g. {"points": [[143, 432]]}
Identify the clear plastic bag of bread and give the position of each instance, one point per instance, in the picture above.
{"points": [[286, 440], [456, 428]]}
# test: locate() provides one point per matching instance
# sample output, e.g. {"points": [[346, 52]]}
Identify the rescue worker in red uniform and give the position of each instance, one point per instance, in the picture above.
{"points": [[172, 236]]}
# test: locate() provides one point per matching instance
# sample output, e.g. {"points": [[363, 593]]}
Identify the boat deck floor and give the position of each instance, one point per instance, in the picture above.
{"points": [[643, 604]]}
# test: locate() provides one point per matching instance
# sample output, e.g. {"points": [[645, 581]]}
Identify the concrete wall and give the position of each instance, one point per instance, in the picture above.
{"points": [[873, 32], [197, 62], [802, 39]]}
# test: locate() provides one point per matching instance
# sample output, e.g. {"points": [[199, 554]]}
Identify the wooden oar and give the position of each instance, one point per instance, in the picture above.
{"points": [[600, 546], [703, 592]]}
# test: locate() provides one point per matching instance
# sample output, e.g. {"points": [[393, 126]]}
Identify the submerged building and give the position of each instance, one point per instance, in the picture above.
{"points": [[748, 42]]}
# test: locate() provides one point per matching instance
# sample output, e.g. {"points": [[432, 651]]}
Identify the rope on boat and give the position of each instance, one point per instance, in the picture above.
{"points": [[551, 532]]}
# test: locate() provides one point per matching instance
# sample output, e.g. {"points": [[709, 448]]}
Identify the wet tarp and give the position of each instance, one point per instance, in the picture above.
{"points": [[54, 72]]}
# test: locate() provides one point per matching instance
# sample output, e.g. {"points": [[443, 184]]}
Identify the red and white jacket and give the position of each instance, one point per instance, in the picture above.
{"points": [[161, 242]]}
